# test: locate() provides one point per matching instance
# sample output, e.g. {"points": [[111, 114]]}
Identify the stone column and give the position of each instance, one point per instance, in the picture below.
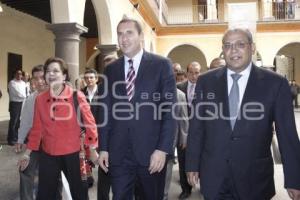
{"points": [[67, 39], [105, 49]]}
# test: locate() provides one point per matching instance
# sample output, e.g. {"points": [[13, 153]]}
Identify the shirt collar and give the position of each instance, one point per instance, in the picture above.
{"points": [[137, 58], [244, 73]]}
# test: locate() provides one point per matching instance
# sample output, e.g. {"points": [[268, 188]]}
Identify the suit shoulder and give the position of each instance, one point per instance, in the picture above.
{"points": [[212, 74], [115, 64], [154, 56], [269, 74]]}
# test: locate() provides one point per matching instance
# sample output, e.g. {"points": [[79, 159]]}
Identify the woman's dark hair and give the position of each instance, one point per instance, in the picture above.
{"points": [[62, 65]]}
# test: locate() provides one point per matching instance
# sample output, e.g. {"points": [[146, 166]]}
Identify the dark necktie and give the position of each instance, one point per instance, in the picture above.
{"points": [[234, 99], [130, 78]]}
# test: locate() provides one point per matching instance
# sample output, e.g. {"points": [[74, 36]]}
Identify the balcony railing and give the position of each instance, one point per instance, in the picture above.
{"points": [[197, 14]]}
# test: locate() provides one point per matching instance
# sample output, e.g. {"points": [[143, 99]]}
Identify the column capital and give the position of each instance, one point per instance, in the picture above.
{"points": [[106, 49], [71, 28]]}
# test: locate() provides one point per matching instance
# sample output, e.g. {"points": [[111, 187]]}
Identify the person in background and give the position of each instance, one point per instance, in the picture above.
{"points": [[56, 132], [91, 91], [17, 94], [229, 151], [26, 121], [179, 73], [216, 63], [135, 149], [295, 89], [188, 87], [26, 78], [180, 77], [181, 132]]}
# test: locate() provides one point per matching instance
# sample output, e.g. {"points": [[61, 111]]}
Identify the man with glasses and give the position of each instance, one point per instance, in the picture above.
{"points": [[230, 135]]}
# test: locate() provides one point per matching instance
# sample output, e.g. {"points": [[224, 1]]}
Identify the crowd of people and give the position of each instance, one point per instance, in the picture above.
{"points": [[130, 121]]}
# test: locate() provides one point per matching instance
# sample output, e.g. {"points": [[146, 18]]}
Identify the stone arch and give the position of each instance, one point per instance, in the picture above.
{"points": [[103, 15], [186, 53], [287, 61]]}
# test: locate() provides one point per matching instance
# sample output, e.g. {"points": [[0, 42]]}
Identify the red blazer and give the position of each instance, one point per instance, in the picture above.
{"points": [[55, 123]]}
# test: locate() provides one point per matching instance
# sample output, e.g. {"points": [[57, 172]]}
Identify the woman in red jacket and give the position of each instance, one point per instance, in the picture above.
{"points": [[56, 133]]}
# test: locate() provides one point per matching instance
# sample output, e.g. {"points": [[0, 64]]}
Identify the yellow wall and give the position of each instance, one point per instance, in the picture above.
{"points": [[209, 45], [25, 35], [268, 45]]}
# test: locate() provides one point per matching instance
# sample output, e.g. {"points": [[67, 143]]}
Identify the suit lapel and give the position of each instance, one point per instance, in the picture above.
{"points": [[185, 90], [221, 90], [142, 71], [249, 96], [120, 76]]}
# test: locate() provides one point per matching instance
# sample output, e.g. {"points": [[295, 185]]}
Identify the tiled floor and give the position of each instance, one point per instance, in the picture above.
{"points": [[10, 179]]}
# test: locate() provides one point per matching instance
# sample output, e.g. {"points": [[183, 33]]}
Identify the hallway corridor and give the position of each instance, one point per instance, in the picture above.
{"points": [[9, 184]]}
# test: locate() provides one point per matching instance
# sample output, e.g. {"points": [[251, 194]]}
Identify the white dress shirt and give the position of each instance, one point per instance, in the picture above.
{"points": [[136, 62], [242, 82], [91, 93], [17, 90], [190, 91]]}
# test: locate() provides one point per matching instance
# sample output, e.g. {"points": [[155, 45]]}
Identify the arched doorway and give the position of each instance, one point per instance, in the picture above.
{"points": [[185, 54], [287, 61]]}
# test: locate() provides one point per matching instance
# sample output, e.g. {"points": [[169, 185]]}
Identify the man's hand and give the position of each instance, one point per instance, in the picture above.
{"points": [[294, 194], [19, 147], [193, 178], [157, 161], [24, 160], [94, 157], [103, 160]]}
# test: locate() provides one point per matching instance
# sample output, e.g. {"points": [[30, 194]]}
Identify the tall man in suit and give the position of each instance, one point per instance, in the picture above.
{"points": [[140, 129], [230, 134], [188, 87]]}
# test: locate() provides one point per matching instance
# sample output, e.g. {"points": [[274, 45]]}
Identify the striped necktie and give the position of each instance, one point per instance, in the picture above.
{"points": [[130, 78]]}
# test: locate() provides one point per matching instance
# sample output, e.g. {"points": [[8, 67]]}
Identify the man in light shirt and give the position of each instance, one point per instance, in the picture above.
{"points": [[17, 94], [27, 176]]}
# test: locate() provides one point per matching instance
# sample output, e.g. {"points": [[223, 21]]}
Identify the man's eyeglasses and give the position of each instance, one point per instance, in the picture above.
{"points": [[238, 45]]}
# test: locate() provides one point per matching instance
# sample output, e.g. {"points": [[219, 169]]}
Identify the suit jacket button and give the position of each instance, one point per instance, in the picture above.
{"points": [[234, 138]]}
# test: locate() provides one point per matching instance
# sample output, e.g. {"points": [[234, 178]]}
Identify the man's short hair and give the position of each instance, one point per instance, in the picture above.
{"points": [[37, 68], [245, 31], [194, 64], [91, 71], [137, 24]]}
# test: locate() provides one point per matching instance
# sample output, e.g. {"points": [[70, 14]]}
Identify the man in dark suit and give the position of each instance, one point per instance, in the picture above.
{"points": [[140, 130], [230, 134], [188, 87]]}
